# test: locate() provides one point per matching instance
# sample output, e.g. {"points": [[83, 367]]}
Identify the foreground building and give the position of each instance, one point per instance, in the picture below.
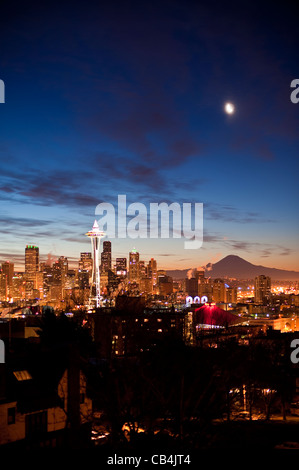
{"points": [[43, 407], [131, 328]]}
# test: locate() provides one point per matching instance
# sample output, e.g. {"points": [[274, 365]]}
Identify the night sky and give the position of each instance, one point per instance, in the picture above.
{"points": [[124, 97]]}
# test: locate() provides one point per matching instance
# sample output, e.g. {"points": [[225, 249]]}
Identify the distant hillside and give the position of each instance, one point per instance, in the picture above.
{"points": [[177, 273], [234, 266]]}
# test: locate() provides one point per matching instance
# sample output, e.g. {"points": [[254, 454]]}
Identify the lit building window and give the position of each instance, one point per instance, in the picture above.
{"points": [[160, 330], [21, 375]]}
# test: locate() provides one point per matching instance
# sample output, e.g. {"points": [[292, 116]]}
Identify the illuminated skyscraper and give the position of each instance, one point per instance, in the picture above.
{"points": [[134, 266], [262, 288], [218, 290], [231, 295], [31, 270], [142, 269], [31, 259], [85, 262], [121, 266], [95, 236], [64, 266], [152, 274], [3, 286], [8, 270], [31, 264], [106, 256], [59, 275]]}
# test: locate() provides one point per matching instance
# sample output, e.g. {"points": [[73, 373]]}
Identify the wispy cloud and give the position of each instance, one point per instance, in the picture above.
{"points": [[228, 213], [263, 250]]}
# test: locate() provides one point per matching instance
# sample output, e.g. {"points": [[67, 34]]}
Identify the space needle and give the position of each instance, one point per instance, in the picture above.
{"points": [[95, 236]]}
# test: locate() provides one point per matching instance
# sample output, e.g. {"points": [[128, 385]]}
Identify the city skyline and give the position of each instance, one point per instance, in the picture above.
{"points": [[129, 99], [232, 266]]}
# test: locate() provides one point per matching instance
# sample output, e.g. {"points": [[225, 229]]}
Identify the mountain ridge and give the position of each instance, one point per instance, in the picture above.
{"points": [[233, 266]]}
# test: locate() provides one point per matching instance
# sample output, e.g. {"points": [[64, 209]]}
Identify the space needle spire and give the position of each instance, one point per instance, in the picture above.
{"points": [[95, 236]]}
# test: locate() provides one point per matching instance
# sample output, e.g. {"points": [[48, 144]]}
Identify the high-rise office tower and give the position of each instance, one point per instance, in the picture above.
{"points": [[8, 270], [85, 262], [262, 288], [83, 279], [191, 286], [31, 259], [134, 266], [95, 236], [46, 271], [145, 282], [145, 285], [121, 266], [3, 286], [218, 290], [153, 274], [142, 269], [31, 265], [18, 287], [59, 271], [56, 273], [231, 295], [64, 266], [106, 256], [165, 284], [205, 287]]}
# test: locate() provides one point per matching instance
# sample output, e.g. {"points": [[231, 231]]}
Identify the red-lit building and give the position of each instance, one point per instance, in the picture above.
{"points": [[211, 316]]}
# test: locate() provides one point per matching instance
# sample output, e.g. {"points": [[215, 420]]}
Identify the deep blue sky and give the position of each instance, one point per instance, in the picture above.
{"points": [[126, 97]]}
